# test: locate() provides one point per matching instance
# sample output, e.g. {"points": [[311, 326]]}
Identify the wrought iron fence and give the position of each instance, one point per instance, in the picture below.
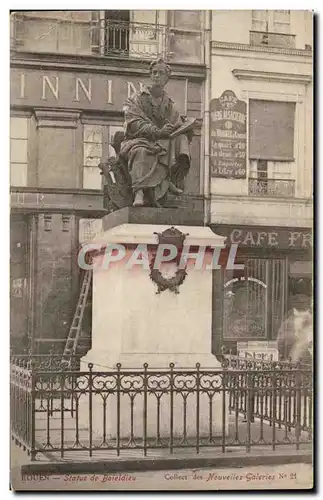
{"points": [[242, 404], [272, 187]]}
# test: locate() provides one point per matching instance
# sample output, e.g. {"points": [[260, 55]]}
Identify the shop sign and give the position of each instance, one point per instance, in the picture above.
{"points": [[228, 136], [80, 90], [258, 350], [280, 238]]}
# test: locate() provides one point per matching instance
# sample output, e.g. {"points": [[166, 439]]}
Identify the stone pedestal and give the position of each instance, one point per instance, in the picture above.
{"points": [[134, 326]]}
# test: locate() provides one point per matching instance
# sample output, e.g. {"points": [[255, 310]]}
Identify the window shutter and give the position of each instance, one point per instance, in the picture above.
{"points": [[271, 130]]}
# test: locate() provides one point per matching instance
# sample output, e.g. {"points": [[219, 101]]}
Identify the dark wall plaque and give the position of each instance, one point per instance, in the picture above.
{"points": [[228, 136]]}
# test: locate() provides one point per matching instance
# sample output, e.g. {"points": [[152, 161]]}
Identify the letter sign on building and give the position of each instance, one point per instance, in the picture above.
{"points": [[228, 136]]}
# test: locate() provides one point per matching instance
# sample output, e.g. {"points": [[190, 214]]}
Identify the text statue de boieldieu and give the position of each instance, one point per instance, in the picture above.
{"points": [[152, 154]]}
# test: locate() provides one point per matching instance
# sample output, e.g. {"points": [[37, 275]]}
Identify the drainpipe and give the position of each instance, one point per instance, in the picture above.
{"points": [[206, 117]]}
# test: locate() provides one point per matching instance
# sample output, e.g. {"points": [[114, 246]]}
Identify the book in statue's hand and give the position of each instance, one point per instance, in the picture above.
{"points": [[185, 127]]}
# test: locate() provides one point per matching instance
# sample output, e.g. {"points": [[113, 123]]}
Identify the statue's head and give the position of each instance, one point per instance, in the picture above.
{"points": [[159, 73]]}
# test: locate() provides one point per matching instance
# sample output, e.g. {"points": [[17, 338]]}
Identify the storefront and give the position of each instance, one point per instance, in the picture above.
{"points": [[251, 303]]}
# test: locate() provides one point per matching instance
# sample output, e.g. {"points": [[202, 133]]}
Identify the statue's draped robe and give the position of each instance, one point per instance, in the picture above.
{"points": [[153, 162]]}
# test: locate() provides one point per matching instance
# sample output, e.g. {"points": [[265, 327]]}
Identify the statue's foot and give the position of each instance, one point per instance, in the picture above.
{"points": [[175, 190], [139, 199]]}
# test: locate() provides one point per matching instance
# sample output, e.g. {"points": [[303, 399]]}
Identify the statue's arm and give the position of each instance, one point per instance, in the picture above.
{"points": [[140, 127], [137, 122]]}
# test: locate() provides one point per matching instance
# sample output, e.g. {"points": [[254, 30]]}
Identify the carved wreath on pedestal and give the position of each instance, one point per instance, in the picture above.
{"points": [[171, 236]]}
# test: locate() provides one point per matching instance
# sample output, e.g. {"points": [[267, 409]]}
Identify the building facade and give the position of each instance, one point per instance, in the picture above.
{"points": [[260, 167], [70, 75], [247, 72]]}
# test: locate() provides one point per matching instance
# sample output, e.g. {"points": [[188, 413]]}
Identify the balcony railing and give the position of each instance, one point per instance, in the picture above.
{"points": [[272, 39], [86, 35], [272, 187]]}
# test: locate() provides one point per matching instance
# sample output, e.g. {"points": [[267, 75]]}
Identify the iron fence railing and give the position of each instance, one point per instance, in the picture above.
{"points": [[272, 187], [242, 404]]}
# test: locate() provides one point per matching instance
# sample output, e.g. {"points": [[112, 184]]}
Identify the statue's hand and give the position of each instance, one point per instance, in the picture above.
{"points": [[166, 130]]}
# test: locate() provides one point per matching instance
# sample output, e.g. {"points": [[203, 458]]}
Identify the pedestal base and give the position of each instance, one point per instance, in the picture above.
{"points": [[137, 333]]}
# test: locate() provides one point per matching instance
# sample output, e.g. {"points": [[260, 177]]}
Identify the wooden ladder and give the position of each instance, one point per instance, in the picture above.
{"points": [[74, 333]]}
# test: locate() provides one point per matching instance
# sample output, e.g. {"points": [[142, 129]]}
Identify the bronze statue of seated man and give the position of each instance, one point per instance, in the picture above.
{"points": [[154, 154], [157, 161]]}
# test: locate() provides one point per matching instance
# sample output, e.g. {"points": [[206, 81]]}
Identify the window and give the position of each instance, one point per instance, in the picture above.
{"points": [[128, 33], [92, 154], [271, 148], [281, 21], [117, 31], [271, 130], [272, 28], [186, 19], [271, 178], [185, 41], [18, 151], [254, 300], [110, 31], [96, 145], [274, 21], [66, 32], [260, 19]]}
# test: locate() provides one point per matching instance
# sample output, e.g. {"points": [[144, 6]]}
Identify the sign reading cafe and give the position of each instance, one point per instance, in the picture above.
{"points": [[228, 140]]}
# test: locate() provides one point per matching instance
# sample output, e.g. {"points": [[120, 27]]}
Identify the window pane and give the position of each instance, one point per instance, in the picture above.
{"points": [[18, 128], [57, 31], [18, 174], [259, 20], [281, 28], [92, 161], [18, 150], [187, 19], [92, 178], [260, 15], [245, 302], [271, 130], [186, 47], [144, 16], [282, 21], [282, 16], [92, 133], [92, 153]]}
